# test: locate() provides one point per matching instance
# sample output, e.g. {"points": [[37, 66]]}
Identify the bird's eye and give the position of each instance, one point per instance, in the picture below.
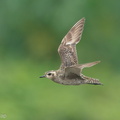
{"points": [[49, 74]]}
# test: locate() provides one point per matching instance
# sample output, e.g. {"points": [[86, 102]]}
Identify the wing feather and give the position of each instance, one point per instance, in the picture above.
{"points": [[67, 48]]}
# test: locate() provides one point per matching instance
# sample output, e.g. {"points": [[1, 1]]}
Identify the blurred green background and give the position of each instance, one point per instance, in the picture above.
{"points": [[30, 33]]}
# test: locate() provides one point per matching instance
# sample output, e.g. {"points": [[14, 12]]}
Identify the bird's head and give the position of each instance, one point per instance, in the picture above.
{"points": [[50, 75]]}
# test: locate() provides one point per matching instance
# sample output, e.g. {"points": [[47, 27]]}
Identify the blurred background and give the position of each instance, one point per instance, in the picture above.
{"points": [[30, 33]]}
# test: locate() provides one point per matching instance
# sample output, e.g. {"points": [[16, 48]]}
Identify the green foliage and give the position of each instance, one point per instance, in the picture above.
{"points": [[30, 33]]}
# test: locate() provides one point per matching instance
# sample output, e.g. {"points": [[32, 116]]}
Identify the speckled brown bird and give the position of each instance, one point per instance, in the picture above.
{"points": [[69, 72]]}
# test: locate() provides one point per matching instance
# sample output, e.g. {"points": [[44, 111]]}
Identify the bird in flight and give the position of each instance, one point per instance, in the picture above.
{"points": [[69, 72]]}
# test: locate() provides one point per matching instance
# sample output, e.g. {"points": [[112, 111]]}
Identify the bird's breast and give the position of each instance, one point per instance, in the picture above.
{"points": [[69, 81]]}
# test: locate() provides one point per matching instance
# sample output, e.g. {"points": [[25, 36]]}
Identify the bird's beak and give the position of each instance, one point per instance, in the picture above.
{"points": [[42, 76]]}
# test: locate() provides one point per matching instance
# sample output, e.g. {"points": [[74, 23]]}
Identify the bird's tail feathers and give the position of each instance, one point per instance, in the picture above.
{"points": [[93, 81]]}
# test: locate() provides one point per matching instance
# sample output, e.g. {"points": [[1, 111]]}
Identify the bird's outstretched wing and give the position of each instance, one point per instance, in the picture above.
{"points": [[74, 73], [67, 48], [76, 70]]}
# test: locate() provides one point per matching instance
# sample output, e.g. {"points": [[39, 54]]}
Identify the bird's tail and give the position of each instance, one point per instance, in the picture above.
{"points": [[93, 81]]}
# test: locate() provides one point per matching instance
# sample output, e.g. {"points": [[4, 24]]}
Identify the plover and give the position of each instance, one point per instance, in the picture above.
{"points": [[69, 72]]}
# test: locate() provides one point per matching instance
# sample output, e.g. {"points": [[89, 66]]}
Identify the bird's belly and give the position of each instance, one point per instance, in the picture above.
{"points": [[70, 81]]}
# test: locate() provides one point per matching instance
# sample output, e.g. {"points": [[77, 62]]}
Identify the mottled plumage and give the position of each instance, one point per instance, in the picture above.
{"points": [[69, 72]]}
